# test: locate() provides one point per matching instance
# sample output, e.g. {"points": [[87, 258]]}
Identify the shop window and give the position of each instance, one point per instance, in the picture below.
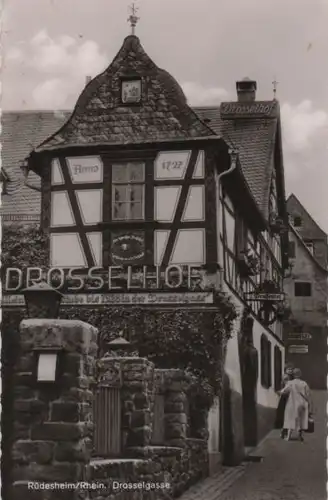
{"points": [[277, 368], [128, 191], [302, 289], [265, 362], [291, 249]]}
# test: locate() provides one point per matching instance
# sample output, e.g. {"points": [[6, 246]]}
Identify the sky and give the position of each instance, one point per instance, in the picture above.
{"points": [[50, 46]]}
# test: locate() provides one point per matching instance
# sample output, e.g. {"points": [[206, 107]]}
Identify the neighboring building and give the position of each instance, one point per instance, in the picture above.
{"points": [[21, 132], [134, 177], [305, 334]]}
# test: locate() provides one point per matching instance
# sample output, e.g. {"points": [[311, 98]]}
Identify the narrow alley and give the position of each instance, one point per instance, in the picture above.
{"points": [[288, 470]]}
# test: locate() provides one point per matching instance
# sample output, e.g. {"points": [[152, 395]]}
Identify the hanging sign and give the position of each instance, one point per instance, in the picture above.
{"points": [[298, 349], [263, 297]]}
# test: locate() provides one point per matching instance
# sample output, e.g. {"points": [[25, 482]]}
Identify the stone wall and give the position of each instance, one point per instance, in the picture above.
{"points": [[52, 421], [180, 461], [172, 469]]}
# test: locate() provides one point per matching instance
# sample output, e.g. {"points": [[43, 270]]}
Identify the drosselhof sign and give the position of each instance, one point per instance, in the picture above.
{"points": [[247, 109], [77, 279]]}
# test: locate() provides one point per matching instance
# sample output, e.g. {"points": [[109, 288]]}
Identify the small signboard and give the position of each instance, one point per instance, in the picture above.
{"points": [[263, 297], [298, 349], [299, 336], [124, 299]]}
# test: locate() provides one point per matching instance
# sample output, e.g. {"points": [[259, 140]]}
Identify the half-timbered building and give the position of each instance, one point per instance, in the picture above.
{"points": [[136, 177]]}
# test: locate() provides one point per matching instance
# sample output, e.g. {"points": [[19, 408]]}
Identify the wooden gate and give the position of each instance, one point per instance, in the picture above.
{"points": [[107, 413], [158, 435]]}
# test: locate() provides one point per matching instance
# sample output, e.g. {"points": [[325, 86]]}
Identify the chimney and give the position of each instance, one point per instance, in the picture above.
{"points": [[246, 90], [87, 80]]}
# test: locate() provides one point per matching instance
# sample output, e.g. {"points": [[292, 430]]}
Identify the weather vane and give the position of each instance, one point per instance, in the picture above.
{"points": [[275, 85], [133, 18]]}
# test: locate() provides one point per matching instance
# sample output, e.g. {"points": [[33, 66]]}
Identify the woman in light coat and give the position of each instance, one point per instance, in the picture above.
{"points": [[298, 405], [280, 415]]}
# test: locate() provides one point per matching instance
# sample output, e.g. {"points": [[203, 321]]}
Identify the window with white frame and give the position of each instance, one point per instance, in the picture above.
{"points": [[128, 191]]}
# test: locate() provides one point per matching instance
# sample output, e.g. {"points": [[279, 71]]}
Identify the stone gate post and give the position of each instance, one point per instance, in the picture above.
{"points": [[53, 420]]}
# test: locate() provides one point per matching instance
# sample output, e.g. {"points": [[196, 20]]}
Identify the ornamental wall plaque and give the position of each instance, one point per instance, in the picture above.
{"points": [[127, 248]]}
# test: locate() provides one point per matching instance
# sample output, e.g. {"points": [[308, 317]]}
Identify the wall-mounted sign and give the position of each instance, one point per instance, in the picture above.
{"points": [[127, 248], [131, 91], [171, 164], [85, 169], [263, 297], [231, 110], [298, 349], [105, 299], [299, 336], [102, 279]]}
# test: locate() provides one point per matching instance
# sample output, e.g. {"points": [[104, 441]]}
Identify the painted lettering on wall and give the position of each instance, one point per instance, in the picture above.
{"points": [[126, 299], [171, 164], [85, 169], [80, 169], [247, 109], [98, 278]]}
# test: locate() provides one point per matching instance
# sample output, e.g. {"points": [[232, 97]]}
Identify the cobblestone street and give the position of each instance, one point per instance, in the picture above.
{"points": [[289, 470]]}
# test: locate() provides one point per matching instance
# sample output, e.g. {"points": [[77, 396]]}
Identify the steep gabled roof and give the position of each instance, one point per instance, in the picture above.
{"points": [[99, 116], [293, 198], [309, 254], [22, 131]]}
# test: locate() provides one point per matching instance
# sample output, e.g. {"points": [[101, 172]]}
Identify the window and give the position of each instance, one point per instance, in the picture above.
{"points": [[265, 362], [291, 249], [297, 221], [302, 289], [309, 246], [241, 234], [128, 191], [277, 368]]}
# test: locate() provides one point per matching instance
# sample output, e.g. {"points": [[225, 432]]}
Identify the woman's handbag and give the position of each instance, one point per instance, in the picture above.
{"points": [[310, 428]]}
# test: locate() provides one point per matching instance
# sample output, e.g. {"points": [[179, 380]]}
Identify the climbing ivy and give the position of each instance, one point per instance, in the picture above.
{"points": [[181, 338]]}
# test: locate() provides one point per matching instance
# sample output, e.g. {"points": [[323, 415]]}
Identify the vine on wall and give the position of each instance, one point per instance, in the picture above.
{"points": [[181, 338]]}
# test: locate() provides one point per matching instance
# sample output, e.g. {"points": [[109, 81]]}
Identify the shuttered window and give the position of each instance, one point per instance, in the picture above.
{"points": [[277, 368], [266, 380]]}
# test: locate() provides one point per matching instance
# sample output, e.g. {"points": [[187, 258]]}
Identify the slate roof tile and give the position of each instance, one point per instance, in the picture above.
{"points": [[255, 140], [21, 132], [100, 117]]}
